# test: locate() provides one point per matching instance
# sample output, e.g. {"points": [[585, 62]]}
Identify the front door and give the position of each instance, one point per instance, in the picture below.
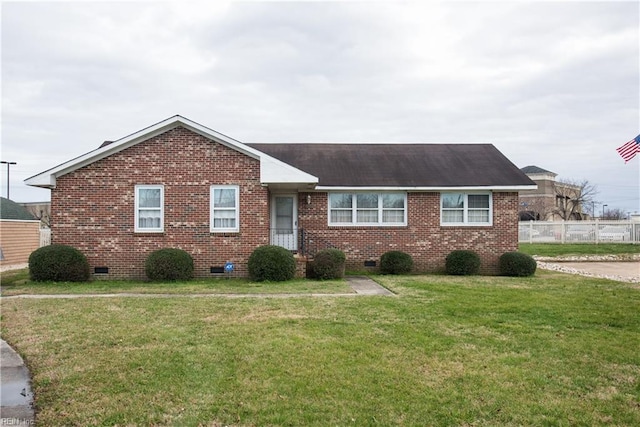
{"points": [[284, 221]]}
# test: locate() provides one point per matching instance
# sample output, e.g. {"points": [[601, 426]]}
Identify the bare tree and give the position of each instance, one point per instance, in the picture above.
{"points": [[538, 208], [572, 196], [616, 214], [40, 213]]}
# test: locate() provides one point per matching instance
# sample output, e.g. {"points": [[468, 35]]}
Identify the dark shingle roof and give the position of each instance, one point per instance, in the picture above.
{"points": [[11, 210], [400, 165], [534, 169]]}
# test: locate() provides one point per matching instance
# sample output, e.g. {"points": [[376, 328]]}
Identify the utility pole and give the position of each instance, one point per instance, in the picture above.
{"points": [[8, 167]]}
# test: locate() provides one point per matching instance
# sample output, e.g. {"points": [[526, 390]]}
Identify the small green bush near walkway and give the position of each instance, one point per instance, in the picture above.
{"points": [[58, 263], [553, 349]]}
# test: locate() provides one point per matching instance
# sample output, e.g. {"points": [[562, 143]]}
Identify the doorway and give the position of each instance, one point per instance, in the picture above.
{"points": [[284, 221]]}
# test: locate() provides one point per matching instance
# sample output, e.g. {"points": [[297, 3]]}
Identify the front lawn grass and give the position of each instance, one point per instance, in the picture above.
{"points": [[568, 249], [553, 349], [18, 283]]}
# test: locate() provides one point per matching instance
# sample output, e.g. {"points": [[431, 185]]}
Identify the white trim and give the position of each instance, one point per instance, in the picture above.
{"points": [[137, 228], [236, 209], [274, 171], [270, 168], [354, 210], [465, 222], [20, 220], [504, 188]]}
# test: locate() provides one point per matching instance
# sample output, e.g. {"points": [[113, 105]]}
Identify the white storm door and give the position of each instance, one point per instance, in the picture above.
{"points": [[284, 221]]}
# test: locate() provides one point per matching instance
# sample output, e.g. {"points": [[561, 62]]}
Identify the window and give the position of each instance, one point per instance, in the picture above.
{"points": [[225, 212], [149, 215], [367, 209], [465, 209]]}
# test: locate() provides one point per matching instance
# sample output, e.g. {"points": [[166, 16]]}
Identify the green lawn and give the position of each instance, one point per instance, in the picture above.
{"points": [[567, 249], [554, 349], [18, 283]]}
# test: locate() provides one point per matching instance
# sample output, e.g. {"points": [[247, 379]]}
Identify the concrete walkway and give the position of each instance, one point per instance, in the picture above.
{"points": [[363, 285], [16, 397], [620, 271]]}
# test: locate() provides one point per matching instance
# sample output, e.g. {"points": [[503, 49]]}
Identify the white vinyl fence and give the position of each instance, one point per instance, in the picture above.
{"points": [[598, 231], [45, 237]]}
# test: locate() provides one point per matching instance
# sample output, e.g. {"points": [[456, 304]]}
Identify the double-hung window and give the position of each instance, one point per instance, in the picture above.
{"points": [[367, 209], [225, 208], [149, 214], [466, 209]]}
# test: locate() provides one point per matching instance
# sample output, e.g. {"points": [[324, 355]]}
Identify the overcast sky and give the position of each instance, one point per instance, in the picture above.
{"points": [[552, 84]]}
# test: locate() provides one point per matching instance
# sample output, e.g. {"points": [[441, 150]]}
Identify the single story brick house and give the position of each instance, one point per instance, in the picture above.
{"points": [[180, 184]]}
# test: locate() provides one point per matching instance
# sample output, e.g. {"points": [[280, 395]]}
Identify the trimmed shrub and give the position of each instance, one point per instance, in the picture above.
{"points": [[169, 264], [517, 264], [462, 263], [395, 262], [271, 263], [328, 264], [58, 263]]}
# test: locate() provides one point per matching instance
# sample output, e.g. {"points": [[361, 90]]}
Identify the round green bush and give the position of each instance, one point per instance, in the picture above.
{"points": [[462, 263], [328, 264], [517, 264], [395, 262], [58, 263], [169, 264], [271, 263]]}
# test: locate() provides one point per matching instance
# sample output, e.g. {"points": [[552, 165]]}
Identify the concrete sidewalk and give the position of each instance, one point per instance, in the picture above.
{"points": [[363, 285], [16, 398]]}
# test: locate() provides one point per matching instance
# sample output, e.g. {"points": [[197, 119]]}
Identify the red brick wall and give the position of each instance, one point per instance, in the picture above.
{"points": [[423, 237], [93, 207]]}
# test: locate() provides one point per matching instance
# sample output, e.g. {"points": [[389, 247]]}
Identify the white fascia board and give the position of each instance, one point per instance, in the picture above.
{"points": [[416, 189], [269, 167], [44, 180], [274, 171]]}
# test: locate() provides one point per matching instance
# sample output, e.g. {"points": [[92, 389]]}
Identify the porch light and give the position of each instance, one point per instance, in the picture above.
{"points": [[308, 199]]}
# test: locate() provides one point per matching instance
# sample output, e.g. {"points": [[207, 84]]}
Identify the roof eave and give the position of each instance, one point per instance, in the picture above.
{"points": [[43, 180], [274, 171], [269, 165], [501, 188]]}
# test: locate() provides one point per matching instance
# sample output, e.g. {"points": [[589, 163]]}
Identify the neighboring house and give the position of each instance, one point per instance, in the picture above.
{"points": [[542, 203], [19, 233], [180, 184]]}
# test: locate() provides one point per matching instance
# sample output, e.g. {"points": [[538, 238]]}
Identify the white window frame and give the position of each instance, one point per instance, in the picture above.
{"points": [[213, 209], [465, 220], [354, 210], [137, 227]]}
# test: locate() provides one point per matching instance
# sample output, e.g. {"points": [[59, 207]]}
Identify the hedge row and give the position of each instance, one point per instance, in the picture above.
{"points": [[266, 263], [464, 262]]}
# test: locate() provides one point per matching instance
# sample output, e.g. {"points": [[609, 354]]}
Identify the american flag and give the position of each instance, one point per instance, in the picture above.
{"points": [[629, 149]]}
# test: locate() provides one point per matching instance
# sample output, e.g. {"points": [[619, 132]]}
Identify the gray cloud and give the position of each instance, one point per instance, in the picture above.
{"points": [[553, 84]]}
